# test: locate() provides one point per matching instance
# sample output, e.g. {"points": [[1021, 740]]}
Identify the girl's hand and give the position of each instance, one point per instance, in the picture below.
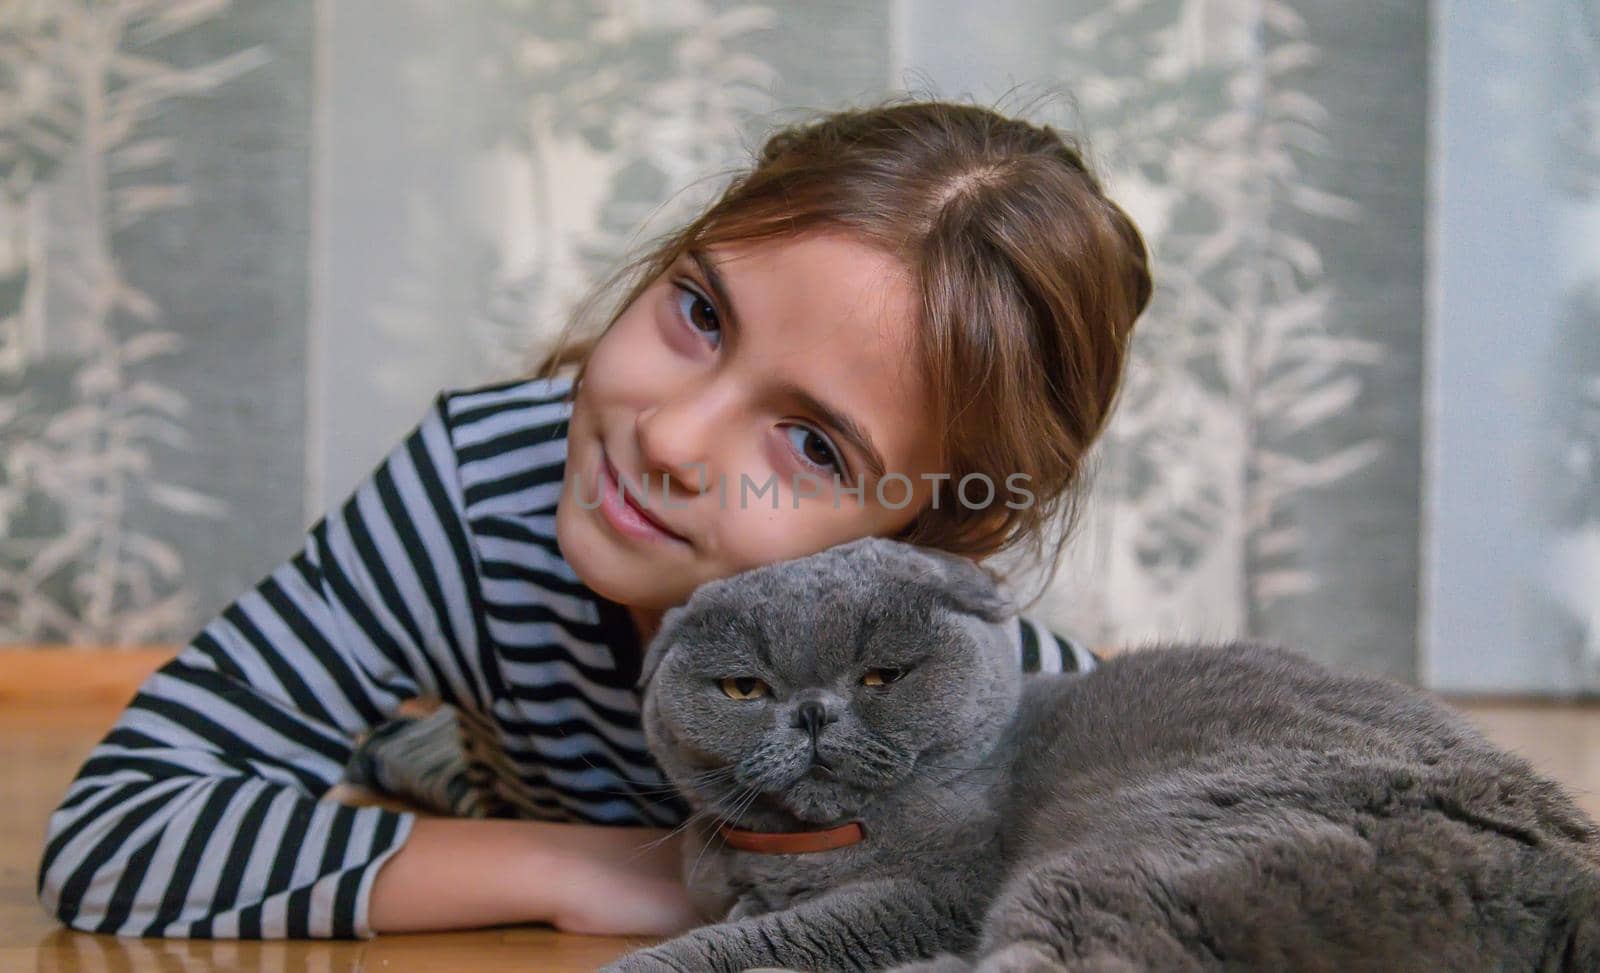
{"points": [[466, 873], [623, 882]]}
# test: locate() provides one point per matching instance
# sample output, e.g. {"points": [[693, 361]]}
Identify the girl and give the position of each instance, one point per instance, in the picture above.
{"points": [[892, 308]]}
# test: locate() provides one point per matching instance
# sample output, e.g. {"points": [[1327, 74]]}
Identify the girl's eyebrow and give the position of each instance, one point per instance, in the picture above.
{"points": [[844, 424]]}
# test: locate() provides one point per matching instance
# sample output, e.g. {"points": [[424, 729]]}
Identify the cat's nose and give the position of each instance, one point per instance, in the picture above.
{"points": [[812, 716]]}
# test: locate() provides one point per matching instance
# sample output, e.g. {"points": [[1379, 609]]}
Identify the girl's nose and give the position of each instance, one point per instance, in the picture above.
{"points": [[674, 439]]}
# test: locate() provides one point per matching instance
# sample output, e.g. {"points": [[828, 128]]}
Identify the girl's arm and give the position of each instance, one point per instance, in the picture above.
{"points": [[456, 873], [198, 814], [1044, 650]]}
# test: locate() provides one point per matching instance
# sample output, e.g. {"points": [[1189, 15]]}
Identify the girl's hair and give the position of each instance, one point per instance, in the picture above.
{"points": [[1027, 278]]}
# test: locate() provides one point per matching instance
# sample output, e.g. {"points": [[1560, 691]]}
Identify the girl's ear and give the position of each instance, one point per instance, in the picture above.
{"points": [[961, 582], [660, 644]]}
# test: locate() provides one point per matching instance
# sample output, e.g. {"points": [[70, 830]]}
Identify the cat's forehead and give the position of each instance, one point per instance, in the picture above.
{"points": [[828, 577], [829, 597], [779, 612], [800, 619]]}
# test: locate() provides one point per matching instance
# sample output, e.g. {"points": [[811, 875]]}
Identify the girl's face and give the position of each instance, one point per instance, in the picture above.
{"points": [[738, 398]]}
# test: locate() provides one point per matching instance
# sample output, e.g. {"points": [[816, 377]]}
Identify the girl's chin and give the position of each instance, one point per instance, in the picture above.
{"points": [[620, 573]]}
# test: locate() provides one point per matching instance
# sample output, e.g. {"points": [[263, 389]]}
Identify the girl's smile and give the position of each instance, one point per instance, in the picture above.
{"points": [[624, 512]]}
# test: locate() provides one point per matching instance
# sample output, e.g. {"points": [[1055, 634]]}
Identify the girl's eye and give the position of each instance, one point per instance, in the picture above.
{"points": [[816, 449], [744, 687], [881, 677], [705, 321]]}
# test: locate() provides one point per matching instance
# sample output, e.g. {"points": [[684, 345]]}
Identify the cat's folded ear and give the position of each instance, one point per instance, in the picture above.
{"points": [[961, 582], [656, 650]]}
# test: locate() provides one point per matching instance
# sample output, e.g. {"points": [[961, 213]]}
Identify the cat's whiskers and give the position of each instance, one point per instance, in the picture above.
{"points": [[705, 780], [931, 799], [743, 805], [652, 845], [961, 769], [643, 786]]}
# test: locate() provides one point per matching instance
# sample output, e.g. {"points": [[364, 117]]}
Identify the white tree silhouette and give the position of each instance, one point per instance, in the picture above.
{"points": [[1573, 575], [594, 99], [77, 419], [1195, 119]]}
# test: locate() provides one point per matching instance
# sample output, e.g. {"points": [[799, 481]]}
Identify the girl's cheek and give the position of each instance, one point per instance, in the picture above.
{"points": [[633, 360], [774, 463], [763, 534], [759, 535]]}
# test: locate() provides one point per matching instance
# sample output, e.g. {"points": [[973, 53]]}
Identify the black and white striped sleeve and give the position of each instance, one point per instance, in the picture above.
{"points": [[198, 814], [1039, 649]]}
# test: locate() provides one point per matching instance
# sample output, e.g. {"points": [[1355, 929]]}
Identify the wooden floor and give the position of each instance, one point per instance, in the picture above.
{"points": [[43, 741]]}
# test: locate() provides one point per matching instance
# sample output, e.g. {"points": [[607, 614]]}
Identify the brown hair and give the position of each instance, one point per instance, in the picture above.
{"points": [[1028, 282]]}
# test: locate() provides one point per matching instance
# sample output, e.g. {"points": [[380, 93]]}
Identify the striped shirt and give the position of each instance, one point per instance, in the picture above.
{"points": [[201, 812]]}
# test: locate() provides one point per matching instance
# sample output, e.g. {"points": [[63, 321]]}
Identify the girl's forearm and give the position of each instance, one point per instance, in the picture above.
{"points": [[463, 873]]}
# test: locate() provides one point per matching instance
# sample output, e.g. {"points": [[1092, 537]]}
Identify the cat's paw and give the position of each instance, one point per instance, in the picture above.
{"points": [[1030, 957], [748, 907], [642, 961], [943, 963]]}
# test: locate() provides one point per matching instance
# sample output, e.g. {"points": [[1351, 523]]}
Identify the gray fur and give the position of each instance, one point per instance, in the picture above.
{"points": [[1179, 808]]}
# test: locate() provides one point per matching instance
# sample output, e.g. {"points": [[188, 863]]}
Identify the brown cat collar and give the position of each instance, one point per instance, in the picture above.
{"points": [[790, 842]]}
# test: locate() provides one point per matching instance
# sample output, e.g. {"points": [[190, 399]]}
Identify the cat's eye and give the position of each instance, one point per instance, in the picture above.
{"points": [[881, 677], [744, 687]]}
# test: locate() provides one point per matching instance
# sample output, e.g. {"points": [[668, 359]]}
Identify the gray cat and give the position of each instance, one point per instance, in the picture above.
{"points": [[876, 784]]}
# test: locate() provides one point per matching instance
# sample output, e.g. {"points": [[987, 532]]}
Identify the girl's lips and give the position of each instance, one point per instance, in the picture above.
{"points": [[624, 513]]}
